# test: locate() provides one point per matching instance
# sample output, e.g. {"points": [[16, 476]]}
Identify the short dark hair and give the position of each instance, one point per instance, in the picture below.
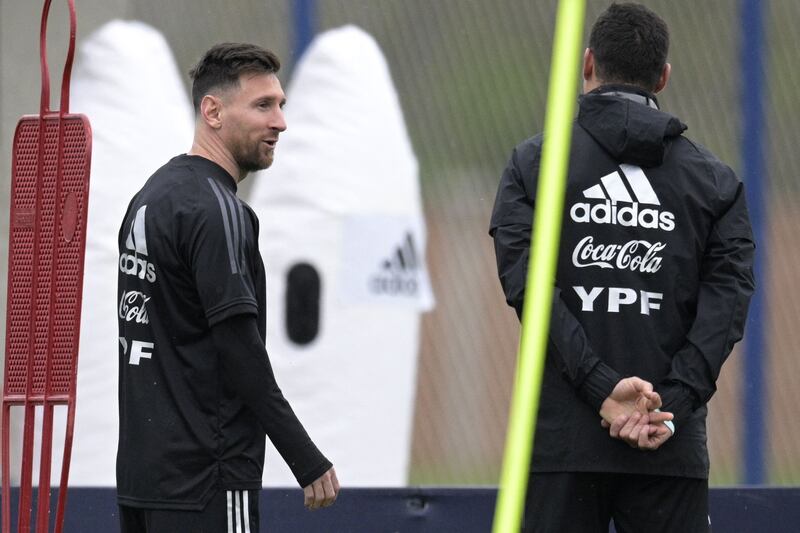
{"points": [[223, 64], [630, 44]]}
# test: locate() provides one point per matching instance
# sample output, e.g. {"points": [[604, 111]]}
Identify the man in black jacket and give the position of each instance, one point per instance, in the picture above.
{"points": [[653, 280]]}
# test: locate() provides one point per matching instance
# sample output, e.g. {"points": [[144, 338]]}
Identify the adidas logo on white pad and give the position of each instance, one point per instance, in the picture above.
{"points": [[398, 275]]}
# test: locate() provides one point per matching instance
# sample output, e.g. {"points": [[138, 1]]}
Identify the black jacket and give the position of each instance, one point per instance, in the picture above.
{"points": [[654, 278]]}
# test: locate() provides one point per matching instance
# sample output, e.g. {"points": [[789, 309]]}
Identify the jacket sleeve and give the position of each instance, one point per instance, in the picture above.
{"points": [[726, 285], [246, 370], [510, 227]]}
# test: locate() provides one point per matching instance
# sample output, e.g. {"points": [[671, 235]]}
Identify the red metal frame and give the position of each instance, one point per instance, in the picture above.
{"points": [[47, 239]]}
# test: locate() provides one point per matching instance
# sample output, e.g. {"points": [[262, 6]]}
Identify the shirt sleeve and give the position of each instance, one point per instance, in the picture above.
{"points": [[510, 227], [246, 369], [220, 238], [726, 286]]}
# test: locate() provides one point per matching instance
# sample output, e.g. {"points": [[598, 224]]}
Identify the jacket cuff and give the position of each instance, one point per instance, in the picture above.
{"points": [[691, 374], [598, 384], [311, 456], [676, 398]]}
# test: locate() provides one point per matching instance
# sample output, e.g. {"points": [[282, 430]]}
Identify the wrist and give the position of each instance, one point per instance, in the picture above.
{"points": [[611, 409], [599, 384]]}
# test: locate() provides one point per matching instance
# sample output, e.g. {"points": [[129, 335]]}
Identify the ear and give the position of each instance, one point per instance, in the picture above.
{"points": [[662, 81], [211, 111], [588, 64]]}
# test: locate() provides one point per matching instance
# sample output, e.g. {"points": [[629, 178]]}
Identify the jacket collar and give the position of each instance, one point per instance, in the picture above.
{"points": [[630, 92]]}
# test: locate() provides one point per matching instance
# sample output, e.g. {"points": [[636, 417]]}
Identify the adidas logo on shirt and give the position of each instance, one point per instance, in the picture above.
{"points": [[136, 242], [630, 186], [398, 273]]}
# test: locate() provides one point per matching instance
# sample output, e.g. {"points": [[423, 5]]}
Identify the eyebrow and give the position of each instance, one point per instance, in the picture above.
{"points": [[270, 99]]}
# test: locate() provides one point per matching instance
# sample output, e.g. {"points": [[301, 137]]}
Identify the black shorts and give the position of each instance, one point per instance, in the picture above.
{"points": [[587, 503], [229, 511]]}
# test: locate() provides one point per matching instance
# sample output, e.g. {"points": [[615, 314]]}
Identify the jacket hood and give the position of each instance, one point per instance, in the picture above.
{"points": [[631, 131]]}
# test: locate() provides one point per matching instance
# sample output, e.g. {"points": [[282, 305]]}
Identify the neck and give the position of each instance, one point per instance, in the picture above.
{"points": [[215, 151], [590, 85]]}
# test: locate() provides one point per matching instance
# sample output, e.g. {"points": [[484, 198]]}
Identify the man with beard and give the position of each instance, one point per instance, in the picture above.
{"points": [[197, 394]]}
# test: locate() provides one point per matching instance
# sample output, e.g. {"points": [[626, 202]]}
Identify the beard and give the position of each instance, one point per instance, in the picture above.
{"points": [[252, 158]]}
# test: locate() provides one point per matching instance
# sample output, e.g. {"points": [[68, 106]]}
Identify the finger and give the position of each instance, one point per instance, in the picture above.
{"points": [[319, 493], [330, 494], [641, 427], [647, 438], [658, 435], [627, 429], [315, 496], [335, 481], [308, 495], [617, 425], [604, 424], [657, 417], [642, 386], [642, 404], [654, 401]]}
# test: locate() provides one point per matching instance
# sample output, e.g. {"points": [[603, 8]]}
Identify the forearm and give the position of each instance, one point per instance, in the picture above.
{"points": [[247, 371], [726, 285], [592, 378]]}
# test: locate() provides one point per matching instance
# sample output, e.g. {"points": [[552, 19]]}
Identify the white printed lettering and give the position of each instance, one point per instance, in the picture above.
{"points": [[648, 304], [588, 299], [132, 306], [136, 266], [636, 255], [608, 212], [138, 351], [619, 296]]}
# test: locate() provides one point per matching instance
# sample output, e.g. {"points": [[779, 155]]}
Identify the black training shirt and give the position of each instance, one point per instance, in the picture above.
{"points": [[188, 261]]}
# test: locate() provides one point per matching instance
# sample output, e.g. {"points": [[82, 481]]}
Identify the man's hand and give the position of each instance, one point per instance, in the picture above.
{"points": [[322, 492], [628, 413], [644, 431], [630, 394]]}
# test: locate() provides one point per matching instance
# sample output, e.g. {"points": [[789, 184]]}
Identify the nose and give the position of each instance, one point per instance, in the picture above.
{"points": [[279, 121]]}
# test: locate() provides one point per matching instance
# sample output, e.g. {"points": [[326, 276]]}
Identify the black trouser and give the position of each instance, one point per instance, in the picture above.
{"points": [[229, 511], [578, 502]]}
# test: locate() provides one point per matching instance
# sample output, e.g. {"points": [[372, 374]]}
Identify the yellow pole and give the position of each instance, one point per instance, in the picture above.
{"points": [[561, 99]]}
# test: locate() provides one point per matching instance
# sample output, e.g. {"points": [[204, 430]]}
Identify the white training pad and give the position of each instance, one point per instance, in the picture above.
{"points": [[343, 196]]}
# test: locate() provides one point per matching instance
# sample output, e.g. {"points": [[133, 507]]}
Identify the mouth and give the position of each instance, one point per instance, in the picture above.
{"points": [[271, 143]]}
